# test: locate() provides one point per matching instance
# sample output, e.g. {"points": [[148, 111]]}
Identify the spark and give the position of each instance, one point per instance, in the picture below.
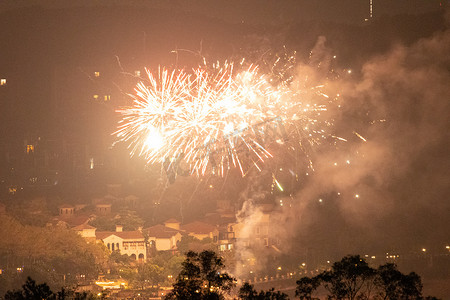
{"points": [[360, 136], [277, 183]]}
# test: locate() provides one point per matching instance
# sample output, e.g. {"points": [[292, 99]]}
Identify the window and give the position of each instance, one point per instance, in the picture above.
{"points": [[30, 149], [3, 81], [109, 246], [95, 97], [107, 97], [97, 74], [117, 245]]}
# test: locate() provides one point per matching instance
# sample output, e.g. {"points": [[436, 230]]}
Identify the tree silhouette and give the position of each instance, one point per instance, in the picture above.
{"points": [[347, 277], [201, 277], [247, 292], [352, 278], [31, 291], [305, 287]]}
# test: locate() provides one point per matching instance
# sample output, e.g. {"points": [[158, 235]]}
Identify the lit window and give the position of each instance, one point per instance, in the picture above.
{"points": [[97, 74], [30, 149], [95, 97], [137, 73], [107, 97], [3, 81]]}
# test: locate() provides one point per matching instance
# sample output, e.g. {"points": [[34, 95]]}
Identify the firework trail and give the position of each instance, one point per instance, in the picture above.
{"points": [[219, 118]]}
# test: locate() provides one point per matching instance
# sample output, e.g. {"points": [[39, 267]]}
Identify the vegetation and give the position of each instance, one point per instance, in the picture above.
{"points": [[247, 292], [352, 278], [202, 277], [32, 291], [47, 254]]}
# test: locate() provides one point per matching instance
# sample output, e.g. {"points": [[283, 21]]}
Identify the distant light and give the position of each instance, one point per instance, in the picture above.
{"points": [[97, 74], [3, 81], [211, 186], [348, 162], [373, 257], [356, 196], [320, 200], [424, 250], [303, 264], [328, 261], [279, 268], [349, 71], [334, 56]]}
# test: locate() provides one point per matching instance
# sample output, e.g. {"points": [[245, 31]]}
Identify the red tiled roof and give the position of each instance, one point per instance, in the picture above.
{"points": [[125, 235], [198, 227], [160, 232], [73, 221]]}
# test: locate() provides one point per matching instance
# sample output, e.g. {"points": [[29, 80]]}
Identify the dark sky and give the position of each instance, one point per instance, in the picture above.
{"points": [[261, 11]]}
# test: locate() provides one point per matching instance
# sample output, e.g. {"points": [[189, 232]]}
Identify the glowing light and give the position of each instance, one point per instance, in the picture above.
{"points": [[220, 118], [424, 250]]}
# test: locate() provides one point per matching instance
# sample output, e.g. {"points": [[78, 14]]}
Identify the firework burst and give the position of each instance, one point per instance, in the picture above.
{"points": [[215, 119]]}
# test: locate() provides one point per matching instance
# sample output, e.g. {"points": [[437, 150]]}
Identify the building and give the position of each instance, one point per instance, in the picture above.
{"points": [[131, 243], [162, 237], [201, 230], [66, 211], [86, 231]]}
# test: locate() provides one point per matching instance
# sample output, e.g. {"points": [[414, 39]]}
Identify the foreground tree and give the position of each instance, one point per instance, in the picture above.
{"points": [[305, 287], [352, 278], [31, 290], [392, 284], [247, 292], [201, 277], [348, 278]]}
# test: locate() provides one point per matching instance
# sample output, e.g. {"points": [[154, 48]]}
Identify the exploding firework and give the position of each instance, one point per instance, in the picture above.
{"points": [[215, 119]]}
